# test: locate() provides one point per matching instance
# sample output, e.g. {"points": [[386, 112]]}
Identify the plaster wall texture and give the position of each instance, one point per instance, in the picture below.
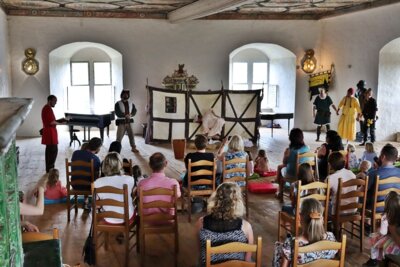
{"points": [[5, 86], [153, 48]]}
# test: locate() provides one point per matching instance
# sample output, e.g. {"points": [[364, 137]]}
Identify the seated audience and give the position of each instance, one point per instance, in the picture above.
{"points": [[235, 150], [87, 155], [158, 163], [116, 146], [137, 174], [387, 240], [351, 152], [261, 163], [54, 188], [306, 176], [250, 165], [112, 168], [385, 170], [337, 162], [312, 222], [333, 143], [201, 143], [224, 223], [287, 170], [369, 153], [364, 167]]}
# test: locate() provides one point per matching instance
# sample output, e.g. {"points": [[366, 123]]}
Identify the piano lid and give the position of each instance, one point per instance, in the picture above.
{"points": [[86, 112]]}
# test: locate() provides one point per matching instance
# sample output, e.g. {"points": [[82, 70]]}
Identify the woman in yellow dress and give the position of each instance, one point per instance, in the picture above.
{"points": [[351, 112]]}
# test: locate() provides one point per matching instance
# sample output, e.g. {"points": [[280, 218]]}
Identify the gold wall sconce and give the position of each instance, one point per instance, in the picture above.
{"points": [[30, 65], [308, 62]]}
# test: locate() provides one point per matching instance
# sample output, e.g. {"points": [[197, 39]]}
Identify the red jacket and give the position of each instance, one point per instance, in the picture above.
{"points": [[49, 136]]}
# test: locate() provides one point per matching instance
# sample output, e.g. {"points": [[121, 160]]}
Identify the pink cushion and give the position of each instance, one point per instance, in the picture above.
{"points": [[266, 173], [262, 187]]}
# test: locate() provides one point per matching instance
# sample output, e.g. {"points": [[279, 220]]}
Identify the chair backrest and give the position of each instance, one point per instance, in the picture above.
{"points": [[382, 193], [36, 236], [127, 166], [320, 191], [203, 168], [234, 247], [238, 173], [310, 158], [320, 246], [347, 191], [82, 169], [99, 214], [167, 210]]}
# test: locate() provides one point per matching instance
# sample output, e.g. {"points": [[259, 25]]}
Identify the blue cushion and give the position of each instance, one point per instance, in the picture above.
{"points": [[62, 200]]}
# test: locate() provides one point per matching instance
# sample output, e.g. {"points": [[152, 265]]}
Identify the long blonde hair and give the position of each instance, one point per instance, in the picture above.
{"points": [[236, 144], [112, 164], [226, 202], [312, 220]]}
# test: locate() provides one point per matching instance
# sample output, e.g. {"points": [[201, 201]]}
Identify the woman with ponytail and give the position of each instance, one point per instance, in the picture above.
{"points": [[312, 222]]}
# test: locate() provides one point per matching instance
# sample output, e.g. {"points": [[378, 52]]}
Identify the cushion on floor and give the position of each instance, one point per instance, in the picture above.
{"points": [[262, 187]]}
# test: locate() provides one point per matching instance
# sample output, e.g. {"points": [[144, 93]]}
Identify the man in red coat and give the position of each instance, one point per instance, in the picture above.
{"points": [[49, 133]]}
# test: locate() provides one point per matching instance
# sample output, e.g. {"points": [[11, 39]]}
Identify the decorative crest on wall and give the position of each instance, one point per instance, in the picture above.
{"points": [[180, 80]]}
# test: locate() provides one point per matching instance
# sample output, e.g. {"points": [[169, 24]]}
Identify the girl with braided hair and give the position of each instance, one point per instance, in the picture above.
{"points": [[312, 222]]}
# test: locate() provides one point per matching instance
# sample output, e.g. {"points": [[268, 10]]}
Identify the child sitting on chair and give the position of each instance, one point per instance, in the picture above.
{"points": [[387, 240], [364, 167], [54, 188], [306, 176]]}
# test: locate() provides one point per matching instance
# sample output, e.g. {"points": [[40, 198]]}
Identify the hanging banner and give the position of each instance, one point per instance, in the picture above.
{"points": [[318, 80]]}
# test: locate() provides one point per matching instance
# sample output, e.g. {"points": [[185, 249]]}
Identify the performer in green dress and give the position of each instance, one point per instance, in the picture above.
{"points": [[321, 111]]}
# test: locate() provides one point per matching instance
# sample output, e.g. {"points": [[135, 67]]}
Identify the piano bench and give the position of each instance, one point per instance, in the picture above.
{"points": [[75, 130], [75, 138], [144, 126]]}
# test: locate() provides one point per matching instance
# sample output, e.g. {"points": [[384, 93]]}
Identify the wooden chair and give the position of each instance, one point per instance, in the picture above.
{"points": [[128, 227], [344, 213], [310, 158], [86, 169], [241, 174], [292, 223], [208, 168], [36, 236], [128, 166], [234, 247], [374, 213], [392, 260], [319, 246], [163, 222]]}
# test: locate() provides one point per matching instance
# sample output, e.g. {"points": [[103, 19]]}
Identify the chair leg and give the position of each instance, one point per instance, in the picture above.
{"points": [[176, 249], [189, 209], [76, 204], [126, 248], [142, 249], [68, 209], [106, 239], [279, 226], [362, 230]]}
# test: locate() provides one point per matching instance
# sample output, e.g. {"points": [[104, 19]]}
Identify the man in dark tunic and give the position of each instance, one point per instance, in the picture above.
{"points": [[369, 114], [360, 95], [321, 111]]}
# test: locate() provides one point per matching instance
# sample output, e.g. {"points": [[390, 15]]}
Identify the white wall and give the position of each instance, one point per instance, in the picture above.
{"points": [[153, 49], [353, 42], [5, 86]]}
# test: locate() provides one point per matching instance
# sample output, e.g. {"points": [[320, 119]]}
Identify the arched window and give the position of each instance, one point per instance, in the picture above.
{"points": [[265, 66]]}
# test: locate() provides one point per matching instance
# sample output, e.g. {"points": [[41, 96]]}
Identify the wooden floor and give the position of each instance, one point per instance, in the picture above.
{"points": [[263, 208]]}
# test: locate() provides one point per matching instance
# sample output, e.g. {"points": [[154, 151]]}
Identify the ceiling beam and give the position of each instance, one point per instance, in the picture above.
{"points": [[202, 8]]}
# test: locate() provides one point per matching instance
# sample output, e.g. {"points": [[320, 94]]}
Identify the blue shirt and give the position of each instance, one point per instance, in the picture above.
{"points": [[292, 159], [86, 155], [383, 172]]}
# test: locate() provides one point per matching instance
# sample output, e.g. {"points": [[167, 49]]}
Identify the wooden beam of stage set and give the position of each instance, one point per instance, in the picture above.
{"points": [[202, 8]]}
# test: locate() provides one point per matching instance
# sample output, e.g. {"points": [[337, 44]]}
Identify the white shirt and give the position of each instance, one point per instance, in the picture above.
{"points": [[116, 181], [346, 175]]}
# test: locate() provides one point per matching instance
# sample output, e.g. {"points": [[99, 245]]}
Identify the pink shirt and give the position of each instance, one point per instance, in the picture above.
{"points": [[155, 180], [56, 192]]}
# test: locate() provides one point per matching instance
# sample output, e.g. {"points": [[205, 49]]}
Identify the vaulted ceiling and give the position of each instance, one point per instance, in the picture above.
{"points": [[183, 10]]}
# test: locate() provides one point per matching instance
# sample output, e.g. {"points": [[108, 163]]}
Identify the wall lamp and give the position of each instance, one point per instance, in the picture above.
{"points": [[30, 65], [308, 62]]}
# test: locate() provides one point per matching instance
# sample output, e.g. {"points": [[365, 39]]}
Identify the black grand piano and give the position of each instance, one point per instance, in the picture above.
{"points": [[89, 119]]}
